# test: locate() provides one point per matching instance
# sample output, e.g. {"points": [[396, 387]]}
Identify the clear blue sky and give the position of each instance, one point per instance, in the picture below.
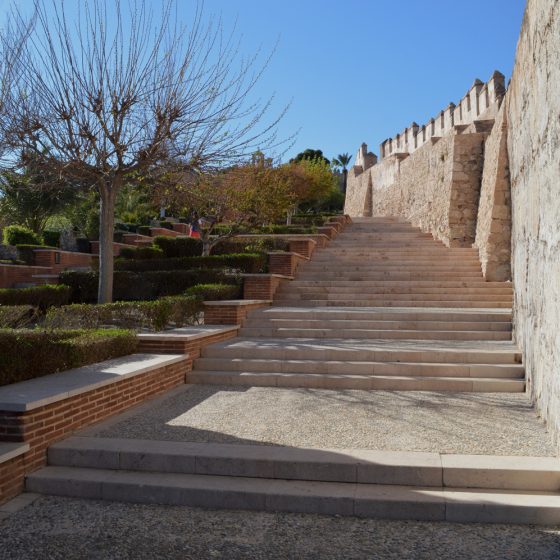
{"points": [[362, 70]]}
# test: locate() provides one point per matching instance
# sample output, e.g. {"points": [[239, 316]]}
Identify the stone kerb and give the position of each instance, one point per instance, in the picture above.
{"points": [[41, 411]]}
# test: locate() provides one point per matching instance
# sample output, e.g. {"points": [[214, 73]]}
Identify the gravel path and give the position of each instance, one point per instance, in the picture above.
{"points": [[474, 423], [66, 529]]}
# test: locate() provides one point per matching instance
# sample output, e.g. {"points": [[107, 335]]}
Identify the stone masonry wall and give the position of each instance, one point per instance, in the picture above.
{"points": [[493, 227], [533, 110]]}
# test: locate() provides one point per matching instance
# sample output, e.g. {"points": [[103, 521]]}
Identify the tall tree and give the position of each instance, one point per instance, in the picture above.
{"points": [[120, 91], [310, 155], [342, 160]]}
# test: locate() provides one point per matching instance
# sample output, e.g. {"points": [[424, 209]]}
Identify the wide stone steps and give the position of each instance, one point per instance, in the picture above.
{"points": [[395, 303], [389, 289], [355, 333], [436, 284], [418, 296], [481, 352], [365, 483], [351, 367]]}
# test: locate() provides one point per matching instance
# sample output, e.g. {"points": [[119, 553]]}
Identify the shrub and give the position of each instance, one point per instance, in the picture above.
{"points": [[167, 225], [248, 263], [51, 238], [126, 227], [143, 230], [215, 292], [134, 286], [25, 354], [16, 316], [155, 315], [42, 297], [141, 253], [262, 245], [83, 245], [20, 235], [174, 247]]}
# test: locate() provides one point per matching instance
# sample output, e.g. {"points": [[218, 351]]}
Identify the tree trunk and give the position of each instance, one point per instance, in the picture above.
{"points": [[289, 215], [206, 243], [106, 229], [345, 178]]}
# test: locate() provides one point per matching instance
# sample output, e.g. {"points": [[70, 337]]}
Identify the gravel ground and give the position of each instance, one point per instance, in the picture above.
{"points": [[65, 529], [474, 423]]}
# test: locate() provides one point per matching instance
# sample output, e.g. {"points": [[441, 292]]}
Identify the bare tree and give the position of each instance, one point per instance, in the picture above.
{"points": [[120, 91]]}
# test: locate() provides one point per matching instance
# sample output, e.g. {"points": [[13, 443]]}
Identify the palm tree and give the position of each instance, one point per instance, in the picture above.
{"points": [[342, 160]]}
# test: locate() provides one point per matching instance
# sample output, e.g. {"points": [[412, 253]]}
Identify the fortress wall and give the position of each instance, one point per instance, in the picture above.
{"points": [[533, 109], [493, 226]]}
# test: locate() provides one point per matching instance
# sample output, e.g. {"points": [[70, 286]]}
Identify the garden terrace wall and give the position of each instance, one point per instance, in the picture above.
{"points": [[320, 239], [188, 340], [284, 263], [12, 470], [183, 229], [42, 411], [59, 261], [304, 247], [231, 312], [262, 286], [163, 231], [116, 248], [13, 274]]}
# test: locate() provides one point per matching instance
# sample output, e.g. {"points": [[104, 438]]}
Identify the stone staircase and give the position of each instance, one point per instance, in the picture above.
{"points": [[383, 307]]}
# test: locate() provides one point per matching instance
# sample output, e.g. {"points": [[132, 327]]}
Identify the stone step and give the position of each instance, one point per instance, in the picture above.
{"points": [[261, 321], [397, 334], [393, 295], [365, 268], [382, 314], [467, 284], [499, 352], [333, 498], [408, 369], [361, 466], [394, 303], [399, 289], [358, 382]]}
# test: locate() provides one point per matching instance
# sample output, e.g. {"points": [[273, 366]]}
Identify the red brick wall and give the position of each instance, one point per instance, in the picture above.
{"points": [[116, 248], [11, 274], [228, 314], [68, 259], [329, 231], [12, 478], [163, 231], [262, 286], [183, 229], [47, 424], [303, 247], [192, 347]]}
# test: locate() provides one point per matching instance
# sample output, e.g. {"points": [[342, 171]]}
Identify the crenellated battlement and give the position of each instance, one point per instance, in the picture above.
{"points": [[480, 103]]}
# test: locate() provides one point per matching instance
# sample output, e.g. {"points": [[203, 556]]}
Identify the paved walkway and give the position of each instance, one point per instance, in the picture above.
{"points": [[68, 529], [474, 423]]}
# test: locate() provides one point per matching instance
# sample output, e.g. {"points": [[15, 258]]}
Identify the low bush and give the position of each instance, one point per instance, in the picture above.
{"points": [[175, 247], [16, 316], [240, 245], [20, 235], [248, 263], [51, 238], [165, 224], [126, 227], [215, 292], [41, 297], [135, 286], [26, 354], [141, 253], [154, 315]]}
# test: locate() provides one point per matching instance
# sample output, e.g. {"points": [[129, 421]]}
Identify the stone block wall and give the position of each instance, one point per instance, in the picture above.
{"points": [[533, 141]]}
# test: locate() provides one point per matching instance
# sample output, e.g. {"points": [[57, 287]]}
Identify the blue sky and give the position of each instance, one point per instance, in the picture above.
{"points": [[362, 70]]}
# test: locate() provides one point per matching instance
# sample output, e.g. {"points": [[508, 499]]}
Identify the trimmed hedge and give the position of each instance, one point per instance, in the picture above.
{"points": [[263, 245], [167, 225], [273, 229], [51, 238], [42, 297], [248, 263], [26, 354], [16, 316], [215, 292], [20, 235], [135, 286], [141, 253], [154, 315], [175, 247], [143, 230]]}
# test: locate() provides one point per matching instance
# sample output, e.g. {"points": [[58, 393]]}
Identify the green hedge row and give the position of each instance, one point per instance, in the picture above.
{"points": [[154, 315], [273, 229], [141, 253], [25, 354], [240, 245], [215, 292], [175, 247], [42, 297], [248, 263], [17, 316], [135, 286]]}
